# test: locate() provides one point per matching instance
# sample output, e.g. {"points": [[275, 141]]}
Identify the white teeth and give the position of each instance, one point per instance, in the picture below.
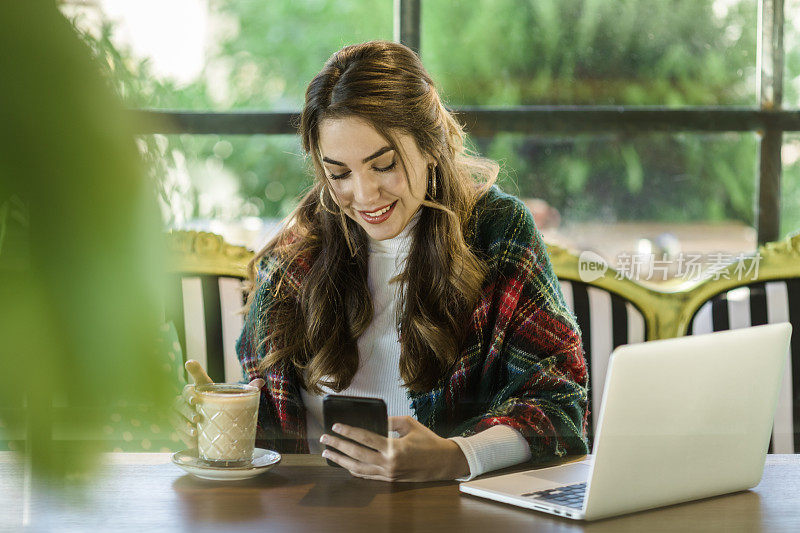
{"points": [[380, 212]]}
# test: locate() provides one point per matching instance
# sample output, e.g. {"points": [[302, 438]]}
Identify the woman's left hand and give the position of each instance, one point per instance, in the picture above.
{"points": [[418, 454]]}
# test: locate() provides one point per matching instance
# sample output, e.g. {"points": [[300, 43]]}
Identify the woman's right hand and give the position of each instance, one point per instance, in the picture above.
{"points": [[185, 415]]}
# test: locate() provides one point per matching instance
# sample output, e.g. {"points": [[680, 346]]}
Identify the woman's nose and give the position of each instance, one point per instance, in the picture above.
{"points": [[366, 191]]}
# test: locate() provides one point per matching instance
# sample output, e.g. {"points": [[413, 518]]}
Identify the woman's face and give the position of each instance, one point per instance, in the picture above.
{"points": [[367, 176]]}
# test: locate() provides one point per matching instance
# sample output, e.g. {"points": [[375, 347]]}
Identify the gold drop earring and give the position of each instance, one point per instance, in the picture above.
{"points": [[432, 181], [322, 201]]}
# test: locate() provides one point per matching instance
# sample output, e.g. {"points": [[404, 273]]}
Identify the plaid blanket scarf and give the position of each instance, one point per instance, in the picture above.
{"points": [[522, 364]]}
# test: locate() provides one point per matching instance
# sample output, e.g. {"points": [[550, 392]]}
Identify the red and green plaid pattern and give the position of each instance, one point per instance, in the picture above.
{"points": [[522, 364]]}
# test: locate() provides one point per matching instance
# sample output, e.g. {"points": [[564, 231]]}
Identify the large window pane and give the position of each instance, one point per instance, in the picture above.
{"points": [[790, 186], [658, 196], [224, 54], [638, 52], [236, 185], [791, 44]]}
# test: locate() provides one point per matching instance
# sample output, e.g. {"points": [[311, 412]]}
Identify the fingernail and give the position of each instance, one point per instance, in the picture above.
{"points": [[325, 454], [322, 439], [337, 428]]}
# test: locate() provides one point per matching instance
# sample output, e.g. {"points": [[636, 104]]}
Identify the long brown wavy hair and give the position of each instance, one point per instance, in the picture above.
{"points": [[314, 329]]}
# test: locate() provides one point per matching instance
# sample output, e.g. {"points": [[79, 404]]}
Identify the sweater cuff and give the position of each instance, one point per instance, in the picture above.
{"points": [[492, 449]]}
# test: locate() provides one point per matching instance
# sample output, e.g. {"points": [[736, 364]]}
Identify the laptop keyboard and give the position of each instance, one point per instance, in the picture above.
{"points": [[568, 496]]}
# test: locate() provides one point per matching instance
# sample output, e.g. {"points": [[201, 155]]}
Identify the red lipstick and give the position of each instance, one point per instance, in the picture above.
{"points": [[380, 218]]}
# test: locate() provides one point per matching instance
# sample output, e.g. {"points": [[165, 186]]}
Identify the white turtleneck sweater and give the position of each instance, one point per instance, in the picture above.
{"points": [[378, 374]]}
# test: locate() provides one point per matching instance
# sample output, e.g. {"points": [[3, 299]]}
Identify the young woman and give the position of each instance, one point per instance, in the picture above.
{"points": [[405, 274]]}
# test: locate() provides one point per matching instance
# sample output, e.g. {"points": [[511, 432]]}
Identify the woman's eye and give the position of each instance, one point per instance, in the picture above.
{"points": [[379, 169], [338, 176], [386, 169]]}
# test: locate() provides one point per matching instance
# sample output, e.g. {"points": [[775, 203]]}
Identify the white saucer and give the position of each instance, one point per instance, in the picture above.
{"points": [[263, 460]]}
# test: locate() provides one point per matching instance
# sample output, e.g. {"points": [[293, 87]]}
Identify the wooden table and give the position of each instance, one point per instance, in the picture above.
{"points": [[145, 492]]}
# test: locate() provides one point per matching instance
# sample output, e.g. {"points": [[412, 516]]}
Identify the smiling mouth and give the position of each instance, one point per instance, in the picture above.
{"points": [[378, 212], [380, 215]]}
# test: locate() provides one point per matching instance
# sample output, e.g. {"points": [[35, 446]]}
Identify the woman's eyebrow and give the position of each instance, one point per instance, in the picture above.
{"points": [[365, 160]]}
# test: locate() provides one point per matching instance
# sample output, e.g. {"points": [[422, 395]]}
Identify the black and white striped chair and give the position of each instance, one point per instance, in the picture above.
{"points": [[610, 311], [763, 288], [765, 302], [606, 320], [205, 298]]}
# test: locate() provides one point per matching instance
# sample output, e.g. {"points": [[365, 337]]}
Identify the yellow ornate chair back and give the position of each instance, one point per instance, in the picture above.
{"points": [[758, 289], [205, 298]]}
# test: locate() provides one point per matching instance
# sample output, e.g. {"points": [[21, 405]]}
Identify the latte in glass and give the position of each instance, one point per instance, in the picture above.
{"points": [[226, 431]]}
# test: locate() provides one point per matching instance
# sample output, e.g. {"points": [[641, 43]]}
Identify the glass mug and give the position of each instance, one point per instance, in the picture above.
{"points": [[226, 431]]}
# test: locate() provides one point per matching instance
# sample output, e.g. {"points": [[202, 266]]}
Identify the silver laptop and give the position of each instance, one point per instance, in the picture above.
{"points": [[681, 419]]}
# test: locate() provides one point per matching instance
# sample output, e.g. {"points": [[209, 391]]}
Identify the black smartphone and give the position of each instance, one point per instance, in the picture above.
{"points": [[365, 413]]}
